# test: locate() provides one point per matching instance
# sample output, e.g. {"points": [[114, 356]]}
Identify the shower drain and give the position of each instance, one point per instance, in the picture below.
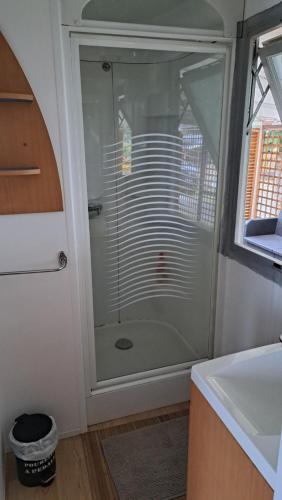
{"points": [[123, 344]]}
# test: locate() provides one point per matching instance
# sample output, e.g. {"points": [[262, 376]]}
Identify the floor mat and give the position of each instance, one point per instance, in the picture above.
{"points": [[149, 463]]}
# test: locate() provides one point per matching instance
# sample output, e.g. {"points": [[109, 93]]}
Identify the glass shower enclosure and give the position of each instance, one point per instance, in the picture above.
{"points": [[152, 121]]}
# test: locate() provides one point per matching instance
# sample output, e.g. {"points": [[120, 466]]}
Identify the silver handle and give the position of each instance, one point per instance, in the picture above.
{"points": [[94, 209], [62, 261]]}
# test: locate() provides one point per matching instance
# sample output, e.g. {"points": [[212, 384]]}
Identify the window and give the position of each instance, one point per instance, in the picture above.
{"points": [[199, 198], [259, 211]]}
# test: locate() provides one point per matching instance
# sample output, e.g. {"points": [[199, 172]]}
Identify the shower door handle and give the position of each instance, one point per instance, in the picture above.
{"points": [[94, 209]]}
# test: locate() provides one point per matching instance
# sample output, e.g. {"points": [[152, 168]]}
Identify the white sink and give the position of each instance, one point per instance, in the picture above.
{"points": [[245, 390], [254, 390]]}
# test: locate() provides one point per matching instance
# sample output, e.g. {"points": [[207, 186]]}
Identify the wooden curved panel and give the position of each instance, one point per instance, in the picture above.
{"points": [[29, 180]]}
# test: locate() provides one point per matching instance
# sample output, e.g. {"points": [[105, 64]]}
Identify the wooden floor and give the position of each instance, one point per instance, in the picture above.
{"points": [[82, 472]]}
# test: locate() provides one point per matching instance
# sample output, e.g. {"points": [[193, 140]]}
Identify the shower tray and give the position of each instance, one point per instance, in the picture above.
{"points": [[155, 344]]}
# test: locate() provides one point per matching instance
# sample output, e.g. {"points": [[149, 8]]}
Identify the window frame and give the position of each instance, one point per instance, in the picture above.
{"points": [[232, 244], [266, 52], [255, 52]]}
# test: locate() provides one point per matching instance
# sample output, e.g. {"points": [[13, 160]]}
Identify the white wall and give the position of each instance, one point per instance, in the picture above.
{"points": [[40, 358], [249, 312]]}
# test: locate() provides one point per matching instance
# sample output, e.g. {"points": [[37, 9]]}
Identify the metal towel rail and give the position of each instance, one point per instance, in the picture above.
{"points": [[62, 261]]}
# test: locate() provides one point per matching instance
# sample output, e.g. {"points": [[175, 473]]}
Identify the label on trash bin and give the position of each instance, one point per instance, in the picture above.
{"points": [[39, 465]]}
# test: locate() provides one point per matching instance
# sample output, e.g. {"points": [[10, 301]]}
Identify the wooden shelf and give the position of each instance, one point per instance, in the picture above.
{"points": [[29, 179], [14, 97], [12, 171]]}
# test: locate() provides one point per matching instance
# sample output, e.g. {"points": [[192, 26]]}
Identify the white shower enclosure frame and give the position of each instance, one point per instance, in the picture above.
{"points": [[167, 385]]}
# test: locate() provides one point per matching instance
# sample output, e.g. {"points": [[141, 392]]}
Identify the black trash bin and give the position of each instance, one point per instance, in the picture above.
{"points": [[33, 439]]}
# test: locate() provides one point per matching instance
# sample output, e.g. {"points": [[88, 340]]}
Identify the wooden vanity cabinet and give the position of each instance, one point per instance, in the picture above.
{"points": [[218, 468]]}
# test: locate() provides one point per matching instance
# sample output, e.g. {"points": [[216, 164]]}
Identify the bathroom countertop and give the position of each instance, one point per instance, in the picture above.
{"points": [[245, 390]]}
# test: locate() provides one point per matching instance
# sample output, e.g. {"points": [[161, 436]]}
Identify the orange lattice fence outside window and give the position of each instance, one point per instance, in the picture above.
{"points": [[251, 176], [264, 180], [269, 185]]}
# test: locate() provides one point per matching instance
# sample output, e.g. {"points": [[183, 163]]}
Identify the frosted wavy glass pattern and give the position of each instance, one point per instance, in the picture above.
{"points": [[152, 244]]}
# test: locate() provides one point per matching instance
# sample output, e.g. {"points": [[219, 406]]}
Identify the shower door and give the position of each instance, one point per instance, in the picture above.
{"points": [[151, 128]]}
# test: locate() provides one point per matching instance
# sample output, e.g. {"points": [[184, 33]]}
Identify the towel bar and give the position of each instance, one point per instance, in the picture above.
{"points": [[62, 261]]}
